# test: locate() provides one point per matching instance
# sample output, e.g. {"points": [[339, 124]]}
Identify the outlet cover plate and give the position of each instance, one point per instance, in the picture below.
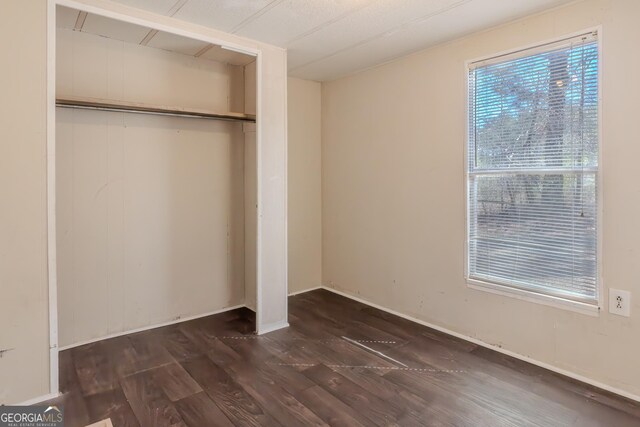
{"points": [[620, 302]]}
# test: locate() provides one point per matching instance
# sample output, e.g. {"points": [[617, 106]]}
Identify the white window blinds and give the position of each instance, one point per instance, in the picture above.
{"points": [[532, 170]]}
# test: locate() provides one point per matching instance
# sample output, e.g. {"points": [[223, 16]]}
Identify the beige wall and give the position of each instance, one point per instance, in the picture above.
{"points": [[99, 67], [250, 88], [393, 195], [150, 220], [24, 328], [305, 207], [24, 331], [150, 210]]}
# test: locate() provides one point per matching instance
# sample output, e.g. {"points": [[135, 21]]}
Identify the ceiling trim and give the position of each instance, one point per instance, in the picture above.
{"points": [[386, 33], [256, 15]]}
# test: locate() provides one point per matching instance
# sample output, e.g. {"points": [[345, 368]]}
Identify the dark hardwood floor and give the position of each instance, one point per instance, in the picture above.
{"points": [[340, 363]]}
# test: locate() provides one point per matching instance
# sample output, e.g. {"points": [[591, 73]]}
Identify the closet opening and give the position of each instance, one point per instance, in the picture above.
{"points": [[155, 179]]}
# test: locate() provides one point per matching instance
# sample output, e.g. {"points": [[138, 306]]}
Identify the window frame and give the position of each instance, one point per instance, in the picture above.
{"points": [[509, 291]]}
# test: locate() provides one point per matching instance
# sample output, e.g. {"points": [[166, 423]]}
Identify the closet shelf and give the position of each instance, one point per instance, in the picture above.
{"points": [[135, 107]]}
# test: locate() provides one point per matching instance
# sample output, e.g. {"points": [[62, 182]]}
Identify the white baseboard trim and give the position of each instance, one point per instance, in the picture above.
{"points": [[180, 320], [146, 328], [253, 308], [38, 399], [544, 365], [305, 291], [272, 327]]}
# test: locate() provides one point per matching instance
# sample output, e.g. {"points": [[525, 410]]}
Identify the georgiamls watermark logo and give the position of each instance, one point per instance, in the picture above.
{"points": [[31, 416]]}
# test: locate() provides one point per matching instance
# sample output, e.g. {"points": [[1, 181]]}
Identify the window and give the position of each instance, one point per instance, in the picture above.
{"points": [[532, 171]]}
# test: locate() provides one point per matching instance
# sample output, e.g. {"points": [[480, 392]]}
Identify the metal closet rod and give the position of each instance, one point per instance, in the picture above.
{"points": [[124, 107]]}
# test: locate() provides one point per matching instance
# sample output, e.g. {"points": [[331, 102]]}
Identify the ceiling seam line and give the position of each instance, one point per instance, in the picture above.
{"points": [[80, 20], [329, 22], [176, 7], [386, 33], [204, 50], [256, 15], [151, 34]]}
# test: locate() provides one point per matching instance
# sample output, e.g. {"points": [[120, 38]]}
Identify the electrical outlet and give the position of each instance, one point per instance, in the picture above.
{"points": [[620, 302]]}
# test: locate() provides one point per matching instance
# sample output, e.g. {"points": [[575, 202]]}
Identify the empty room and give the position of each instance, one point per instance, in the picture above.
{"points": [[319, 212]]}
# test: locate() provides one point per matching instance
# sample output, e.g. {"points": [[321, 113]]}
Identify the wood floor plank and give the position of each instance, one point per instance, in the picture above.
{"points": [[149, 402], [448, 340], [113, 405], [230, 397], [199, 333], [177, 343], [74, 403], [463, 411], [375, 409], [412, 405], [562, 388], [466, 373], [206, 332], [360, 330], [289, 379], [331, 409], [68, 377], [221, 354], [271, 396], [175, 381], [199, 410], [213, 371], [253, 351], [94, 369], [150, 352], [332, 351], [307, 329]]}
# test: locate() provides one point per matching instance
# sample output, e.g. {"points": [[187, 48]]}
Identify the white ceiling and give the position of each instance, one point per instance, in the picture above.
{"points": [[113, 29], [327, 39]]}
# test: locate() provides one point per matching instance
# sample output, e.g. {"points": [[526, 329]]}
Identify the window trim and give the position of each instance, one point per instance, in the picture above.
{"points": [[508, 291]]}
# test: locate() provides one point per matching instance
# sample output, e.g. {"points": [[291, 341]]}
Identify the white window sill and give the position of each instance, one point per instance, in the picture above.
{"points": [[564, 304]]}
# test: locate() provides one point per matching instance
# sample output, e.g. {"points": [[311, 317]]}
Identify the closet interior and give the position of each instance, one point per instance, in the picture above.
{"points": [[155, 177]]}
